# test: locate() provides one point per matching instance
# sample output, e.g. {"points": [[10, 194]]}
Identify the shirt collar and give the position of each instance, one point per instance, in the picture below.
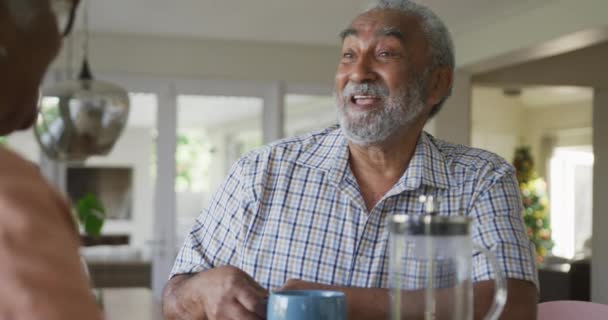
{"points": [[427, 167], [328, 153]]}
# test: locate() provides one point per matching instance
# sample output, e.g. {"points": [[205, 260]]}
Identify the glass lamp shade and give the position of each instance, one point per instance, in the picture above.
{"points": [[80, 118]]}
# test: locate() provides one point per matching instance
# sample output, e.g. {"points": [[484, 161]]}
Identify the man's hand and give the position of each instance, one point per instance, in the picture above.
{"points": [[230, 293], [220, 293], [40, 269]]}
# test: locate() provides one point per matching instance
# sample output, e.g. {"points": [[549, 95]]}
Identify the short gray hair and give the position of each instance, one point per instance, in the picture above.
{"points": [[23, 11], [441, 45]]}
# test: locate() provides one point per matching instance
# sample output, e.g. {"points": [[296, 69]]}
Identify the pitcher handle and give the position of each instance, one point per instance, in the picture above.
{"points": [[500, 287]]}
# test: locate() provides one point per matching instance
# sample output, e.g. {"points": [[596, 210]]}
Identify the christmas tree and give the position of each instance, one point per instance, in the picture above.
{"points": [[534, 195]]}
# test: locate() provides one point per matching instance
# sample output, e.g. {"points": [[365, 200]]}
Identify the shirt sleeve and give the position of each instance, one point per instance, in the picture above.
{"points": [[498, 226], [213, 239]]}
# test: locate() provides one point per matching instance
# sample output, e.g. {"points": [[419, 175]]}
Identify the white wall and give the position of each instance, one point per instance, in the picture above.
{"points": [[546, 119], [599, 263], [502, 123], [497, 121], [453, 122], [553, 126], [209, 59]]}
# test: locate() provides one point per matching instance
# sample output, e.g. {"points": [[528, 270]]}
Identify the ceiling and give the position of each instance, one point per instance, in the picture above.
{"points": [[548, 96], [315, 22], [565, 79], [583, 68]]}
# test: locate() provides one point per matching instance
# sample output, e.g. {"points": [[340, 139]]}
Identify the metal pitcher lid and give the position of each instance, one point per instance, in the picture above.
{"points": [[428, 225]]}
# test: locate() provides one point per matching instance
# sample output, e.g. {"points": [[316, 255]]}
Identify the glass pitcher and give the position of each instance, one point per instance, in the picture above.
{"points": [[430, 269]]}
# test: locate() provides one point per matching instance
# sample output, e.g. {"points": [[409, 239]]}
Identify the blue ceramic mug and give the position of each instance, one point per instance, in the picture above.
{"points": [[306, 305]]}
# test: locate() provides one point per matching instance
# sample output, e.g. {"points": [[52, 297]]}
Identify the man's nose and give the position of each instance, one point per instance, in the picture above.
{"points": [[363, 71]]}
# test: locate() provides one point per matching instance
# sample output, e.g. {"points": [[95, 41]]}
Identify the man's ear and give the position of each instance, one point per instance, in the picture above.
{"points": [[438, 85]]}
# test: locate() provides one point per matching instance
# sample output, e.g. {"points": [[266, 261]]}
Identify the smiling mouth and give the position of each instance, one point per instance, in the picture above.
{"points": [[364, 100]]}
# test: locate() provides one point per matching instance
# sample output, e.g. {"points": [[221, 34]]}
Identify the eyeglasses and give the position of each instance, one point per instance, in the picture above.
{"points": [[65, 12]]}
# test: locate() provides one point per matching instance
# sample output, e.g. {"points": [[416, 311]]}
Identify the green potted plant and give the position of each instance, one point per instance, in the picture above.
{"points": [[90, 214]]}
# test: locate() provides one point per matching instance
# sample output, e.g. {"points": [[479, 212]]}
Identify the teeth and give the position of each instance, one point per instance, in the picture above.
{"points": [[364, 97]]}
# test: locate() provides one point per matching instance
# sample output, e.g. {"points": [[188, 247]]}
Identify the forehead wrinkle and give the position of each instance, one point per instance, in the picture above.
{"points": [[390, 31], [385, 31]]}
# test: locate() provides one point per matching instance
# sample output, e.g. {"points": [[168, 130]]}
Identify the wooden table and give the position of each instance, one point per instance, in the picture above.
{"points": [[131, 304]]}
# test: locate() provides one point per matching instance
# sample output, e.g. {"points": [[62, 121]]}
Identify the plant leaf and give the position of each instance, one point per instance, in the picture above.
{"points": [[91, 214]]}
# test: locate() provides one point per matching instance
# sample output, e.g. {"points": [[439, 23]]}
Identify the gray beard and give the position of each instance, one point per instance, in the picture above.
{"points": [[373, 127]]}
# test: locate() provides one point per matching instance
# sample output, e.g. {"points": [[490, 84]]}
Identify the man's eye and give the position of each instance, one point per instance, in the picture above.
{"points": [[384, 54], [347, 56]]}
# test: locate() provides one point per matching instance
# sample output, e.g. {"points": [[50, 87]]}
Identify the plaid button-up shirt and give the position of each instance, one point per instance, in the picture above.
{"points": [[293, 210]]}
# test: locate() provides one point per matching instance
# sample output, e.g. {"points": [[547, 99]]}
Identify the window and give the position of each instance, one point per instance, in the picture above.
{"points": [[307, 113], [212, 134], [571, 199]]}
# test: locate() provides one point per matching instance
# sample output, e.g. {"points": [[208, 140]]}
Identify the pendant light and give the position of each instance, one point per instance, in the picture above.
{"points": [[83, 117]]}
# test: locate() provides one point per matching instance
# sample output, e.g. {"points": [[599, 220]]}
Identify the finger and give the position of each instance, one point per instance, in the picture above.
{"points": [[258, 287], [236, 311], [249, 298]]}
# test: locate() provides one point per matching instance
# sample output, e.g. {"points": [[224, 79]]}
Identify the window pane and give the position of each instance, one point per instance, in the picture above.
{"points": [[212, 133], [571, 200], [306, 113]]}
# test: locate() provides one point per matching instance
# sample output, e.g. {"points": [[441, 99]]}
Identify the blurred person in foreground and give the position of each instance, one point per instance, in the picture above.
{"points": [[41, 274], [310, 212]]}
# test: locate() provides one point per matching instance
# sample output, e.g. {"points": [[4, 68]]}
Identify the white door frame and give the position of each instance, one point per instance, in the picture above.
{"points": [[163, 239], [167, 90]]}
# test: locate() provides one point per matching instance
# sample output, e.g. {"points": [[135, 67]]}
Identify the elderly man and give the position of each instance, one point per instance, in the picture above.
{"points": [[310, 212], [40, 271]]}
